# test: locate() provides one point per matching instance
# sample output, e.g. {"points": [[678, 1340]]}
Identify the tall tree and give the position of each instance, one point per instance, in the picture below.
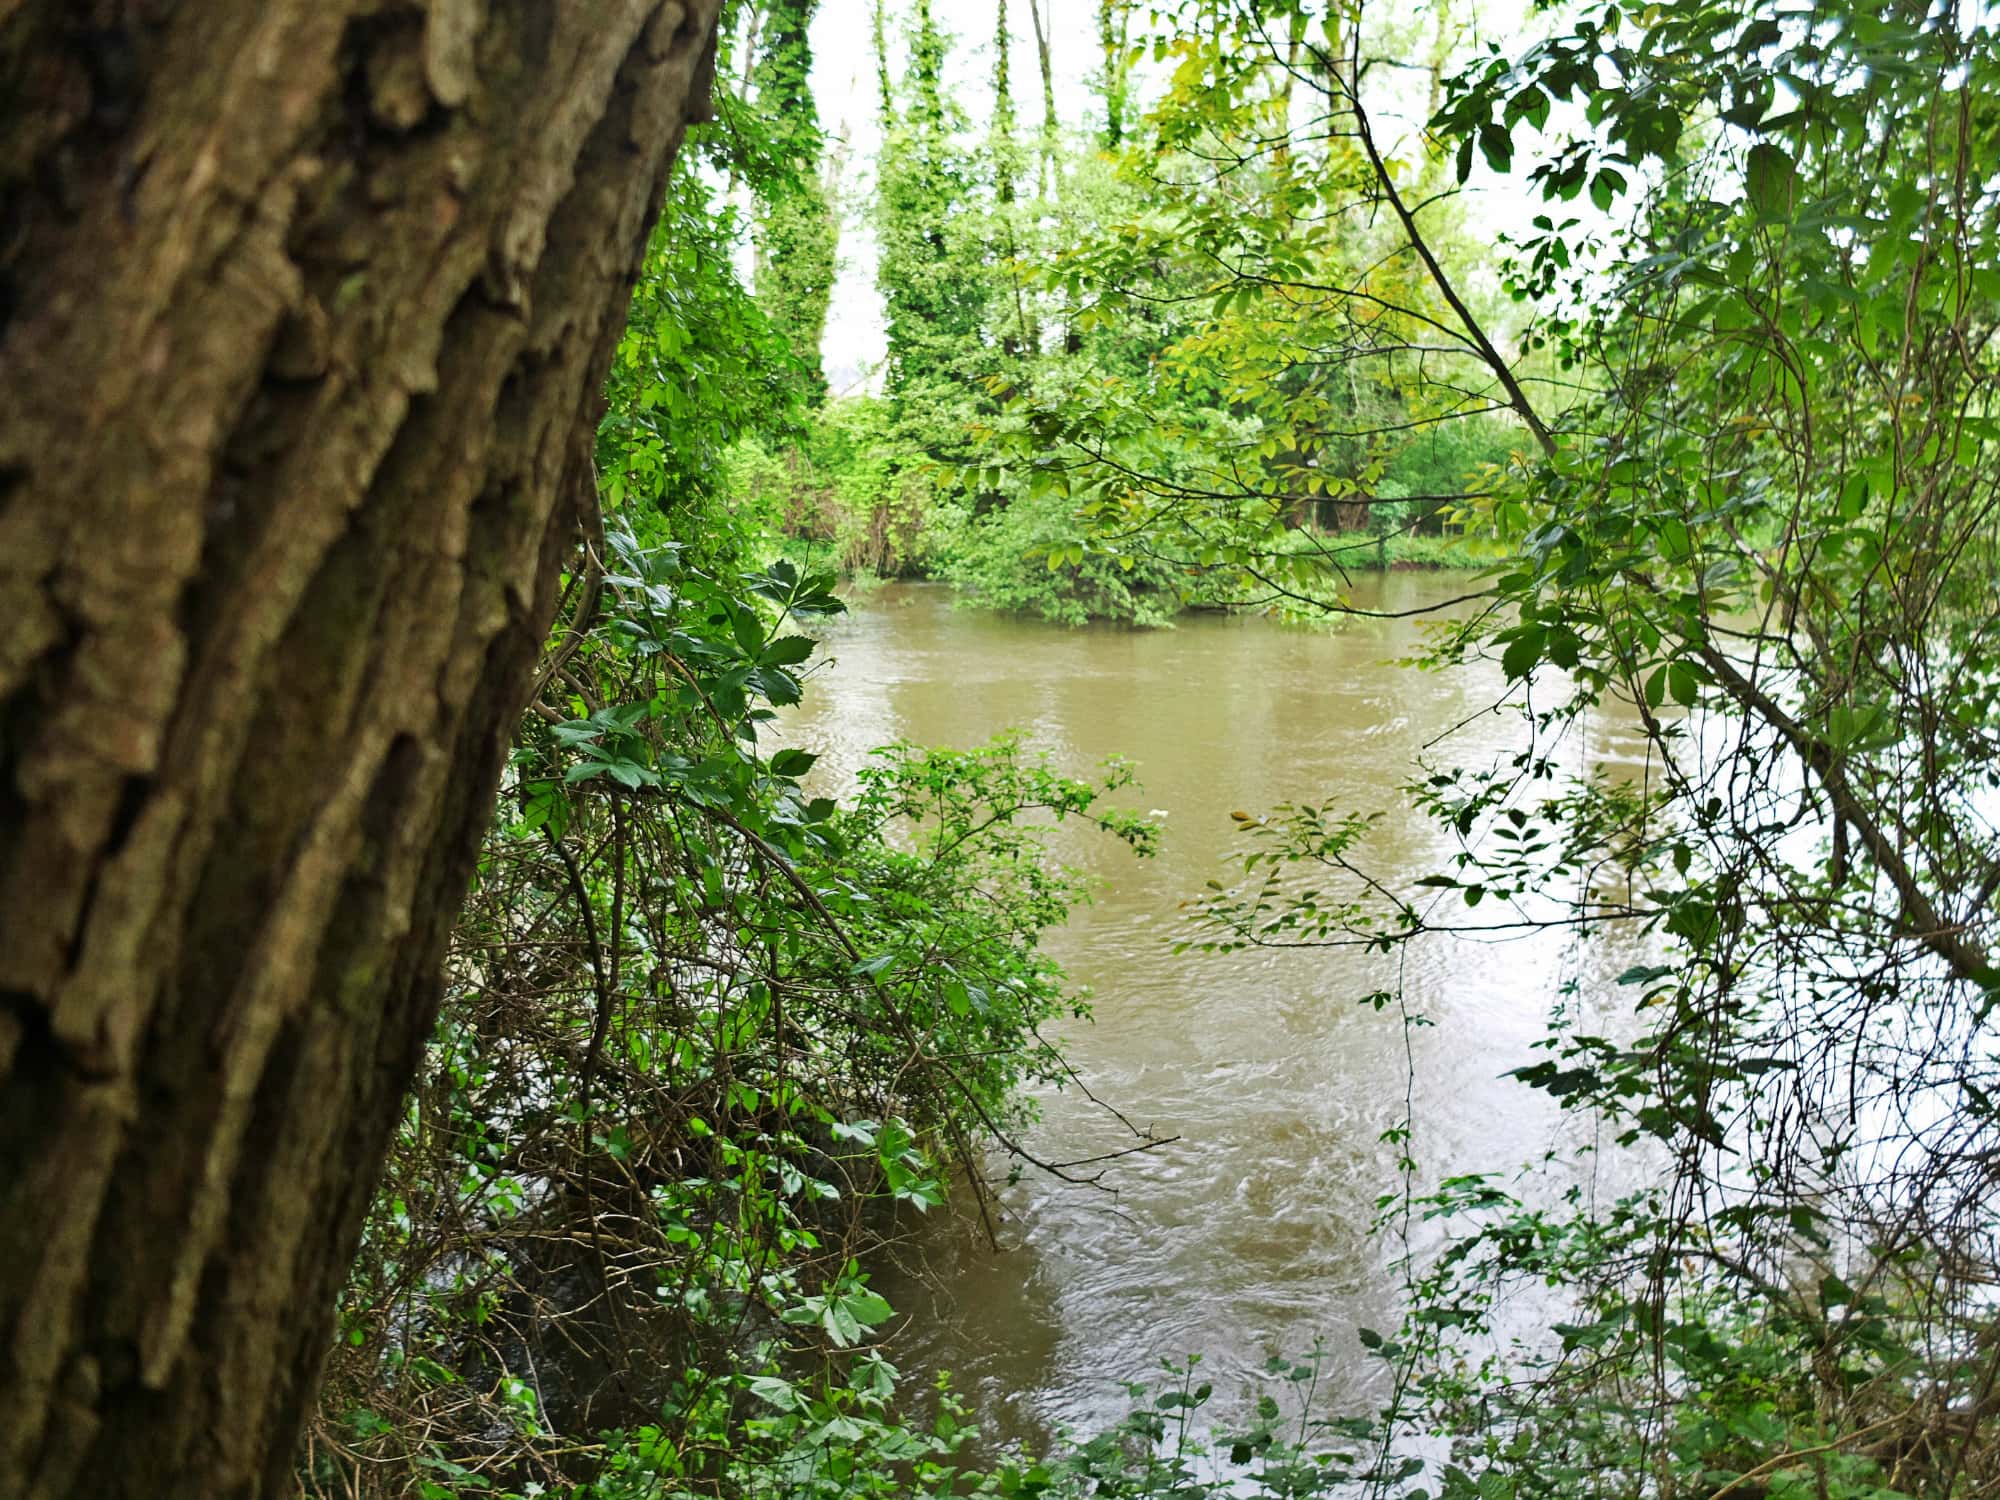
{"points": [[1003, 147], [797, 233], [305, 307], [1045, 170], [878, 31], [933, 274], [1114, 34]]}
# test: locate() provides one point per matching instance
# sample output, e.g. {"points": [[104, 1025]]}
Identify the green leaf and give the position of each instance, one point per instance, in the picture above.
{"points": [[1530, 104], [788, 651], [1522, 652], [1644, 974], [1682, 683], [1771, 181], [1675, 541], [748, 630], [773, 1390], [840, 1325], [792, 762], [868, 1308]]}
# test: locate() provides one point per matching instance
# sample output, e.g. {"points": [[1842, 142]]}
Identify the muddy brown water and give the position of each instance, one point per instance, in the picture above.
{"points": [[1250, 1235]]}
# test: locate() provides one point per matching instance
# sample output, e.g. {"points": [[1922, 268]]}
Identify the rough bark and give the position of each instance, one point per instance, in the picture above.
{"points": [[304, 311]]}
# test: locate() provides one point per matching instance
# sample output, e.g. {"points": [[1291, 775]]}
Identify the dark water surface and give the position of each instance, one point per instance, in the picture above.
{"points": [[1250, 1235]]}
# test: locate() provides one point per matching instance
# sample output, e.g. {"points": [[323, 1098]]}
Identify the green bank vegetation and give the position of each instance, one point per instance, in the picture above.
{"points": [[991, 248]]}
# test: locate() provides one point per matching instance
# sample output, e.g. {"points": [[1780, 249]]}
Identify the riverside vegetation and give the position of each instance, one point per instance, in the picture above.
{"points": [[1724, 445]]}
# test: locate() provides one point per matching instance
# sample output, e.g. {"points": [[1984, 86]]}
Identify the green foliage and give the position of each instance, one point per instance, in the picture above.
{"points": [[933, 266], [1022, 557], [699, 369], [1733, 454], [798, 240], [1761, 529], [769, 1436], [797, 234], [853, 490], [704, 366], [1158, 1450], [704, 1028], [1258, 364], [1030, 339]]}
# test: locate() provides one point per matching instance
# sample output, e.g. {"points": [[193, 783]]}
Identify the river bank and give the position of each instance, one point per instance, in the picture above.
{"points": [[1100, 589]]}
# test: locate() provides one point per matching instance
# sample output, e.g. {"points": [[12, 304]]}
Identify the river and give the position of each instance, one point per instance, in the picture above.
{"points": [[1250, 1234]]}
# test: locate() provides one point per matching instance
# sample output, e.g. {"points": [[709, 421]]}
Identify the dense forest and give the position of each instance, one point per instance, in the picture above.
{"points": [[1661, 338], [999, 304]]}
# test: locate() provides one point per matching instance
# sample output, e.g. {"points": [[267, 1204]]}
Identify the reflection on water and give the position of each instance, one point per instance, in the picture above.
{"points": [[1250, 1235]]}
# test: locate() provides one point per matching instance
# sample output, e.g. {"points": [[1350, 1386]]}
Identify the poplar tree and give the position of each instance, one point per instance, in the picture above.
{"points": [[934, 283], [797, 234], [1114, 31]]}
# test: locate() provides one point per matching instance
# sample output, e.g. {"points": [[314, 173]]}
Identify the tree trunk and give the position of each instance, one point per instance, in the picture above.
{"points": [[1046, 171], [304, 311]]}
